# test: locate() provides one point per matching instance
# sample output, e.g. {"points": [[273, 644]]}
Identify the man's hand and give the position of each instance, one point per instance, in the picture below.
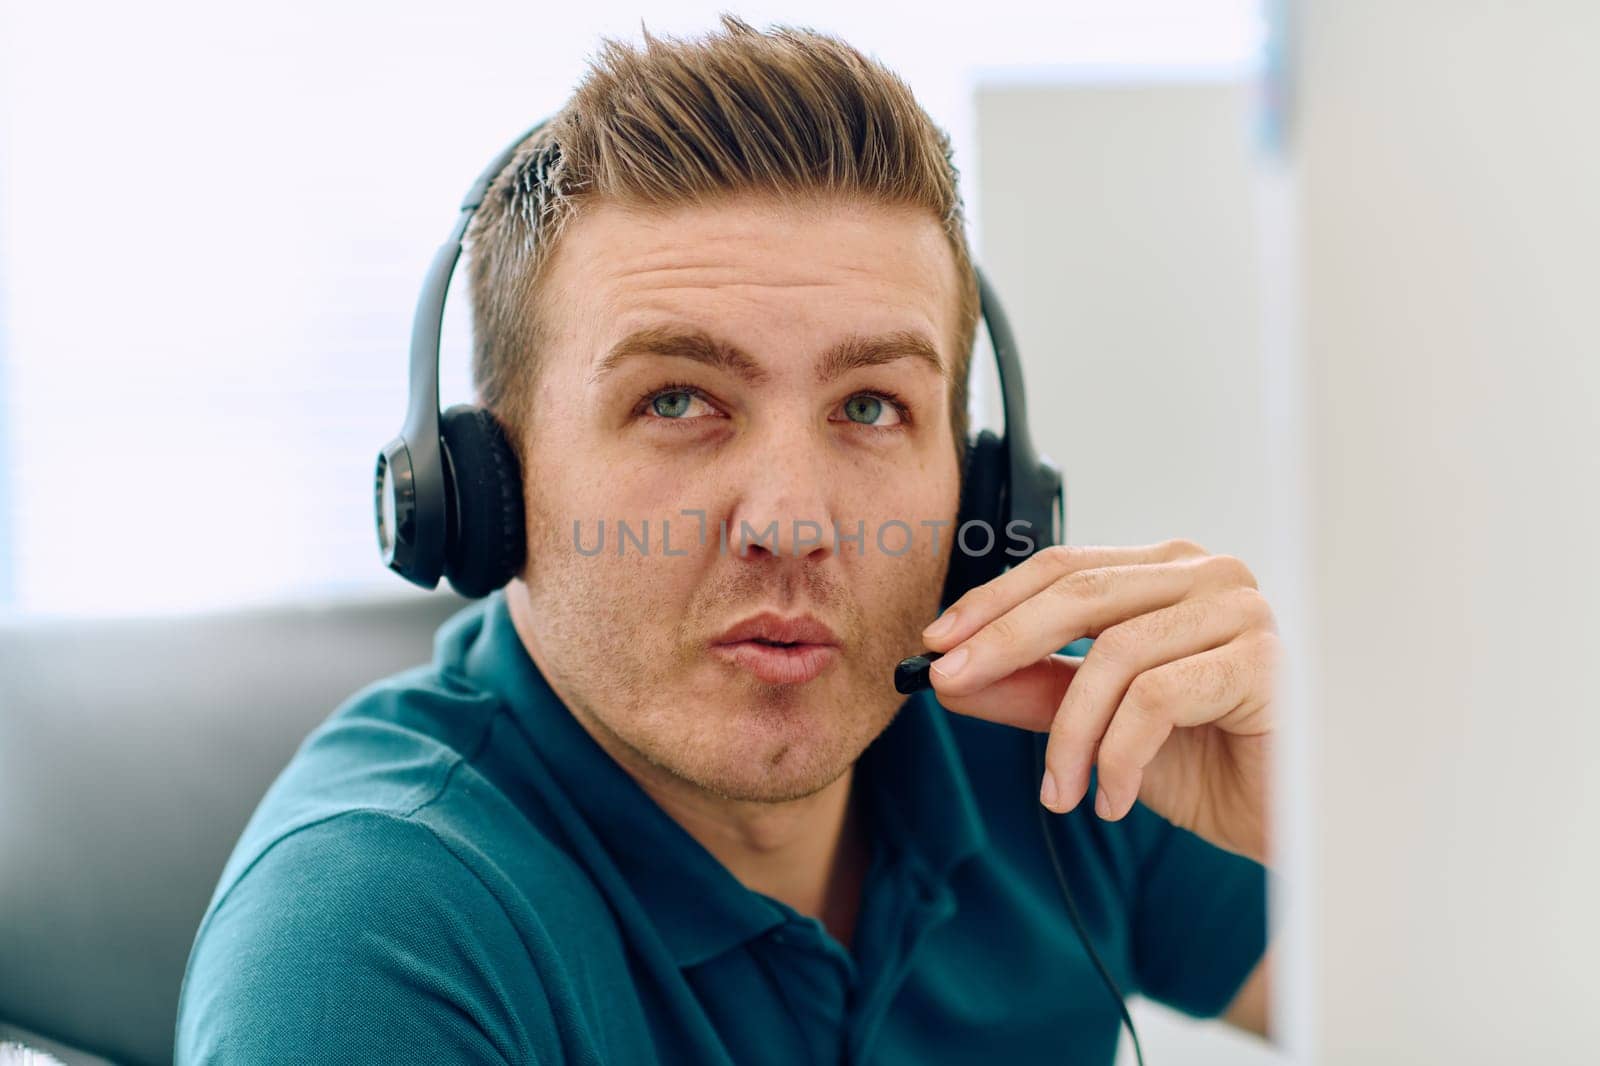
{"points": [[1173, 703]]}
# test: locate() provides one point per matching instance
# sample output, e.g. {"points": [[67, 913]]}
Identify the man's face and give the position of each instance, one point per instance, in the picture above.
{"points": [[754, 363]]}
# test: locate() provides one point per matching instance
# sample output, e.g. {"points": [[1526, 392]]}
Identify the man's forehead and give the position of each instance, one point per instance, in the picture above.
{"points": [[614, 247], [719, 281]]}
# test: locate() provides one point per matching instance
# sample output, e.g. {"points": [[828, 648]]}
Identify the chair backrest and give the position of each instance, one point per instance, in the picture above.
{"points": [[132, 752]]}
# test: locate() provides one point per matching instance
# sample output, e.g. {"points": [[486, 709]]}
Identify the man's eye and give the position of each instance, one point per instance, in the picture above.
{"points": [[677, 404], [869, 409]]}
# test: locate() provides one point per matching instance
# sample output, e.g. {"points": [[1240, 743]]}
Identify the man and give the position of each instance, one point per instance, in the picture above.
{"points": [[658, 800]]}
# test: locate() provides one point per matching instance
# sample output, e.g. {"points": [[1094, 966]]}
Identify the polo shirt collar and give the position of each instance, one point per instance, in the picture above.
{"points": [[921, 801]]}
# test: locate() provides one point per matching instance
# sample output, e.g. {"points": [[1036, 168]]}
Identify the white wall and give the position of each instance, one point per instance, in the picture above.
{"points": [[1119, 222], [214, 220], [1449, 169]]}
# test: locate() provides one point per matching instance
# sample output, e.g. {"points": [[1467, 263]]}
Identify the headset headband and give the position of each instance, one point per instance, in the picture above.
{"points": [[416, 523]]}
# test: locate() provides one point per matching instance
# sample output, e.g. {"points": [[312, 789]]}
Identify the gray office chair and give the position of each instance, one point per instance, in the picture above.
{"points": [[132, 752]]}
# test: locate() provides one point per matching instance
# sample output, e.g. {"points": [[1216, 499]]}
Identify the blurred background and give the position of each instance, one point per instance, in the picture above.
{"points": [[1310, 283]]}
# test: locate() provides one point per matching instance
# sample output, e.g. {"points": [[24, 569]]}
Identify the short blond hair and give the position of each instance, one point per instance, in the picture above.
{"points": [[789, 112]]}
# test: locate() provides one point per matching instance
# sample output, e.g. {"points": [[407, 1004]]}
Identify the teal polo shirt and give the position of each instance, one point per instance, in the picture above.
{"points": [[451, 870]]}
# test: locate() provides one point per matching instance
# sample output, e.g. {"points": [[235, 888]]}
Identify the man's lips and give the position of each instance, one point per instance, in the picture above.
{"points": [[770, 627], [779, 650]]}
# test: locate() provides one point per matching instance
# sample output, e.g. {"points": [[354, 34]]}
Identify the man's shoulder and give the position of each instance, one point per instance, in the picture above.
{"points": [[388, 853], [401, 770], [331, 925], [389, 749]]}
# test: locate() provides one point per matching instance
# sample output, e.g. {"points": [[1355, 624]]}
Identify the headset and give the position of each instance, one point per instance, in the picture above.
{"points": [[448, 489]]}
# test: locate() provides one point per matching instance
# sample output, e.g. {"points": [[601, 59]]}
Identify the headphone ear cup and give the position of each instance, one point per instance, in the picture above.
{"points": [[983, 499], [487, 539]]}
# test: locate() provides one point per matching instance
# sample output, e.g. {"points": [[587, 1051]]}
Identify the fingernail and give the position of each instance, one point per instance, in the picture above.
{"points": [[942, 626], [1102, 803], [1081, 791], [950, 665], [1049, 795]]}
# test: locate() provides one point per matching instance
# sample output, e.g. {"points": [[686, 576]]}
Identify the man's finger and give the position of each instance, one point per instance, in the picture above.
{"points": [[1026, 699], [1123, 652], [1081, 604], [982, 605], [1223, 685]]}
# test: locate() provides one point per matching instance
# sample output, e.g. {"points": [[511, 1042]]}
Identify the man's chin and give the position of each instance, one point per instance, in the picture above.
{"points": [[771, 746]]}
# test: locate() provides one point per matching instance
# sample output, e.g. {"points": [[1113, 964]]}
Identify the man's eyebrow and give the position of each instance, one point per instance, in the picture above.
{"points": [[684, 343], [687, 343], [855, 352]]}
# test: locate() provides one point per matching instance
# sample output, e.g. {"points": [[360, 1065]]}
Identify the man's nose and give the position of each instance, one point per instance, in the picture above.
{"points": [[783, 506]]}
